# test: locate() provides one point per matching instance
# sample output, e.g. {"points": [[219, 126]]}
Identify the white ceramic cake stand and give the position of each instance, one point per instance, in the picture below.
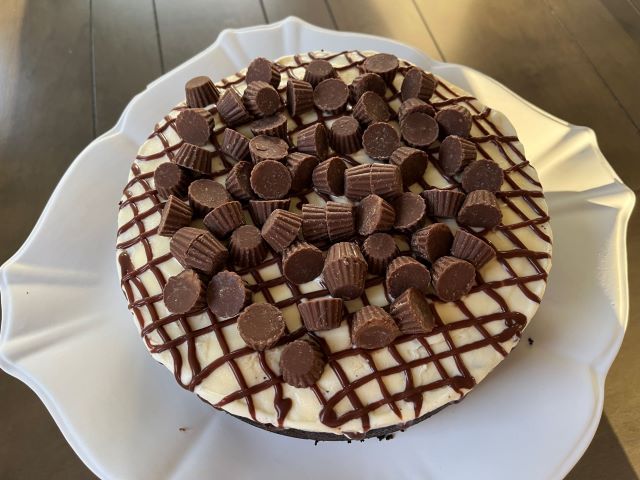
{"points": [[67, 333]]}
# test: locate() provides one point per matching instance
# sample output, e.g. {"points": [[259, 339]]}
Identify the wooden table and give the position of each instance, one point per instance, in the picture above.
{"points": [[68, 68]]}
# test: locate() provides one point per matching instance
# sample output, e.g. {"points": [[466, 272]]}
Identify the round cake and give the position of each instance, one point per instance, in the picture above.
{"points": [[332, 246]]}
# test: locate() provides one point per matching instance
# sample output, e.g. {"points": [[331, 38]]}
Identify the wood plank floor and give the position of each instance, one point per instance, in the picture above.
{"points": [[67, 70]]}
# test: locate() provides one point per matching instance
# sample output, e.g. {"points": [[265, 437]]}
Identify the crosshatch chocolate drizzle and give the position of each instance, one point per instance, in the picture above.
{"points": [[514, 321]]}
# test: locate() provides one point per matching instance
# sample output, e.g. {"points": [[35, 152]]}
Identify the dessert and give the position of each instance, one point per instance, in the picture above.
{"points": [[337, 250]]}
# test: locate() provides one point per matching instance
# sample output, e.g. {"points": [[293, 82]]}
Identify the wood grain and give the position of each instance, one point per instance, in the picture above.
{"points": [[312, 11]]}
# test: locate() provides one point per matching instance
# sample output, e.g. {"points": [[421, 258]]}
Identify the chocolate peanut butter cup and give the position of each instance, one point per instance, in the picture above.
{"points": [[321, 313], [383, 64], [227, 294], [299, 96], [238, 182], [171, 179], [194, 125], [443, 203], [198, 249], [419, 129], [175, 215], [261, 325], [184, 293], [261, 209], [452, 278], [480, 209], [341, 221], [314, 223], [264, 148], [318, 70], [224, 219], [261, 99], [301, 166], [414, 105], [235, 144], [231, 109], [314, 141], [472, 249], [373, 328], [345, 135], [418, 84], [410, 209], [270, 180], [432, 242], [454, 120], [412, 313], [483, 174], [371, 108], [357, 181], [386, 180], [301, 363], [262, 70], [345, 271], [380, 140], [302, 262], [412, 163], [247, 248], [455, 154], [273, 126], [205, 195], [367, 82], [374, 215], [406, 272], [200, 92], [328, 177], [193, 158], [281, 229], [379, 250], [331, 95]]}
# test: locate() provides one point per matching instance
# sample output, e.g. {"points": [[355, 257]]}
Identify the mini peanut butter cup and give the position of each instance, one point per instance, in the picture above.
{"points": [[301, 363], [412, 163], [386, 180], [367, 82], [261, 99], [198, 249], [482, 174], [380, 140], [227, 294], [410, 209], [373, 328], [235, 144], [443, 203], [264, 148], [383, 64], [418, 84], [262, 70], [184, 293], [205, 195], [454, 120], [281, 229], [261, 325], [328, 177], [301, 166], [414, 105], [273, 126], [318, 70], [224, 219], [357, 181], [247, 247], [371, 108], [171, 179], [194, 125], [314, 141], [299, 96], [341, 221], [480, 209], [412, 313], [200, 92], [321, 313], [432, 242], [455, 154], [419, 129], [406, 272], [374, 215], [331, 95], [345, 271], [472, 249], [314, 223], [261, 209], [238, 183], [175, 215], [270, 180], [302, 262], [452, 278], [345, 135], [379, 250], [231, 109], [193, 158]]}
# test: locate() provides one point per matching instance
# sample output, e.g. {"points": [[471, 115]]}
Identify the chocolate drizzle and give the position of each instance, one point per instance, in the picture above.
{"points": [[188, 371]]}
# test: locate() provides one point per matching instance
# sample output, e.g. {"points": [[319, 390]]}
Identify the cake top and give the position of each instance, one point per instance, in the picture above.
{"points": [[332, 242]]}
